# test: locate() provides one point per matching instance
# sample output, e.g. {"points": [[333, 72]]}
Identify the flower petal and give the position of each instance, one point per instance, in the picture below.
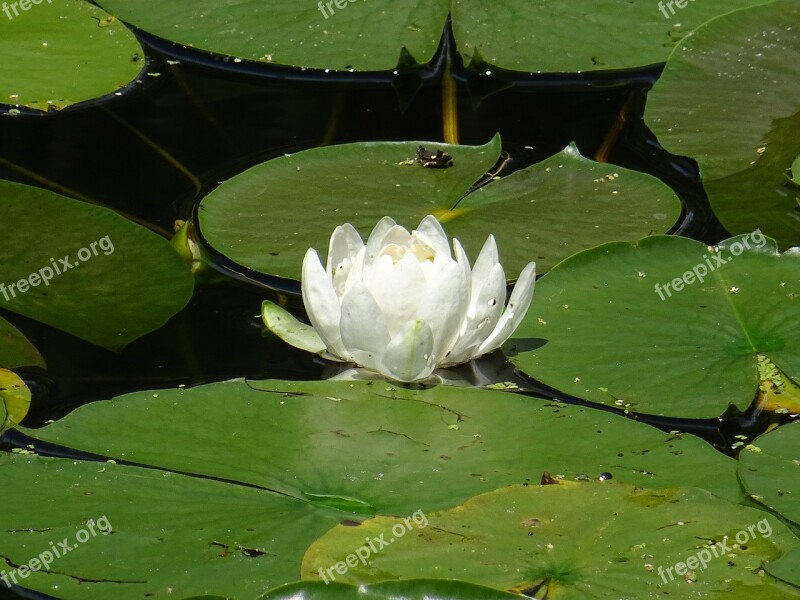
{"points": [[485, 310], [344, 246], [431, 233], [444, 305], [363, 327], [518, 305], [375, 239], [322, 304], [462, 259], [484, 264], [408, 356], [398, 289]]}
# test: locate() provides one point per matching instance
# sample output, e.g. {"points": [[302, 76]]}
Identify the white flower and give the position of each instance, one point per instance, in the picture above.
{"points": [[402, 304]]}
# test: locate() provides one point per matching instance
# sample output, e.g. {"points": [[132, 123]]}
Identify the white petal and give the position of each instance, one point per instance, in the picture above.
{"points": [[430, 231], [322, 304], [356, 272], [444, 306], [518, 305], [398, 289], [462, 259], [486, 261], [344, 246], [375, 239], [484, 312], [408, 355], [364, 331]]}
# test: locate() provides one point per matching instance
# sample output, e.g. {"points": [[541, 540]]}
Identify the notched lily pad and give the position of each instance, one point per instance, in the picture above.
{"points": [[231, 510], [366, 36], [91, 272], [15, 349], [60, 53], [572, 540], [668, 326], [15, 399], [411, 589], [751, 58], [574, 203], [770, 470]]}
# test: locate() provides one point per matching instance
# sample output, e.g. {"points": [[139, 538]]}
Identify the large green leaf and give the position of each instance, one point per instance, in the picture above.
{"points": [[15, 399], [770, 470], [599, 328], [573, 541], [787, 568], [123, 281], [418, 589], [15, 349], [746, 145], [240, 468], [63, 52], [544, 213], [560, 206], [173, 535], [369, 36], [539, 35]]}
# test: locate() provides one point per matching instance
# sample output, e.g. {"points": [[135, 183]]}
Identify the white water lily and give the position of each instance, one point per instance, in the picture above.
{"points": [[403, 304]]}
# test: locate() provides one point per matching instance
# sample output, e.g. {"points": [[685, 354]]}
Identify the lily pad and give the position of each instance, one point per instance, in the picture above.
{"points": [[744, 148], [230, 509], [415, 589], [770, 470], [63, 52], [667, 326], [15, 349], [15, 399], [86, 271], [367, 36], [787, 568], [572, 541], [795, 176], [573, 203]]}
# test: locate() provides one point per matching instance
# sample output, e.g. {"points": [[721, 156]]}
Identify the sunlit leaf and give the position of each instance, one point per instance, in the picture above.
{"points": [[667, 326]]}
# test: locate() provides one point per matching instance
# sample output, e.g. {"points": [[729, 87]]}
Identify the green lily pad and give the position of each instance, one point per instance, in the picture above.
{"points": [[571, 541], [172, 534], [415, 589], [770, 470], [249, 467], [15, 349], [63, 52], [560, 206], [367, 36], [787, 568], [540, 36], [15, 399], [574, 203], [84, 269], [600, 329], [751, 58], [795, 178]]}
